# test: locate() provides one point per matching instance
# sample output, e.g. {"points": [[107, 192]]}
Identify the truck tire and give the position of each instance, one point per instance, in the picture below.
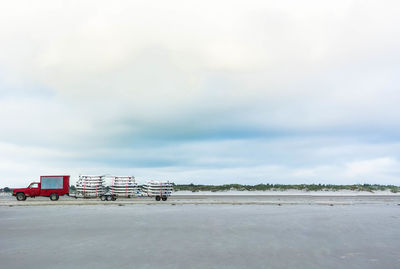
{"points": [[103, 197], [21, 196], [158, 198], [54, 196], [109, 197], [164, 198]]}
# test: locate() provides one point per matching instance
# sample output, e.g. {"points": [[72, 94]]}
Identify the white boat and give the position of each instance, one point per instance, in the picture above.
{"points": [[90, 186], [158, 189], [121, 186], [124, 186]]}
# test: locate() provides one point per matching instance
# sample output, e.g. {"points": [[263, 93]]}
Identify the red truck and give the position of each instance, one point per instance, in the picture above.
{"points": [[49, 186]]}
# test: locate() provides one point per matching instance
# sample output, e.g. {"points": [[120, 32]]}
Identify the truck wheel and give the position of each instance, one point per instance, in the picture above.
{"points": [[21, 196], [158, 198], [54, 196], [103, 198], [164, 198], [109, 198]]}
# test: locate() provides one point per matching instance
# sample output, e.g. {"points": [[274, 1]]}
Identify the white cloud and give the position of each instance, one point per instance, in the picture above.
{"points": [[102, 77], [378, 168]]}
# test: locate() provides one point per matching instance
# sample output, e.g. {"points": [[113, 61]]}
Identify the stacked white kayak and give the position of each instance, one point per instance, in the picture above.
{"points": [[124, 186], [90, 186], [158, 188]]}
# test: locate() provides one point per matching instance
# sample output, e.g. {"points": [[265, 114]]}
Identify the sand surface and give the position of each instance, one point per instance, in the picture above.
{"points": [[200, 236], [218, 198]]}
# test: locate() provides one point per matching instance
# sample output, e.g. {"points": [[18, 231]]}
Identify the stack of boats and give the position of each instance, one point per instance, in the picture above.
{"points": [[121, 186], [90, 186], [158, 188], [124, 186]]}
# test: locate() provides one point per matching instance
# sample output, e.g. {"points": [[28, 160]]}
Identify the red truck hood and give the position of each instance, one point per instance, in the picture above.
{"points": [[19, 190]]}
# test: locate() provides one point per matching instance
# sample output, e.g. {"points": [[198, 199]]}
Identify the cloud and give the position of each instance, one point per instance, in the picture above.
{"points": [[381, 167], [248, 161], [289, 90]]}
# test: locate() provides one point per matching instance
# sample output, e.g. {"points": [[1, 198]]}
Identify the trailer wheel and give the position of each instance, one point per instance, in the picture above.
{"points": [[164, 198], [103, 198], [21, 196], [109, 198], [54, 196], [158, 198]]}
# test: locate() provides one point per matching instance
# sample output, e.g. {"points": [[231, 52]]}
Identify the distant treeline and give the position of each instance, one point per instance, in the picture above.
{"points": [[6, 189], [281, 187]]}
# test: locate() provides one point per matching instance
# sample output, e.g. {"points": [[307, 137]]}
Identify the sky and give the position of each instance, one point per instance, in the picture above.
{"points": [[204, 92]]}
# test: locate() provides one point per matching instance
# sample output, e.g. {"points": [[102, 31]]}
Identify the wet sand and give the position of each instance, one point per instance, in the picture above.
{"points": [[173, 235]]}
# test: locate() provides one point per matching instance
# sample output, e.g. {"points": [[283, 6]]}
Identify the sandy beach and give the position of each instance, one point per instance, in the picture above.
{"points": [[164, 235], [203, 230], [231, 198]]}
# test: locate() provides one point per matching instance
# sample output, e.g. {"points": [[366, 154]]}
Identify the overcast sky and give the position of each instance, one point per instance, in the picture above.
{"points": [[206, 92]]}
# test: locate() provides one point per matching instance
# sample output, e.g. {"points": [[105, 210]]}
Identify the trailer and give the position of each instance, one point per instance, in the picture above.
{"points": [[124, 186], [104, 197], [89, 186], [158, 189]]}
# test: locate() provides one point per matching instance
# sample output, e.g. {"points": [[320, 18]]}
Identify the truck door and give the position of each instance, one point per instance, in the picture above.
{"points": [[34, 189]]}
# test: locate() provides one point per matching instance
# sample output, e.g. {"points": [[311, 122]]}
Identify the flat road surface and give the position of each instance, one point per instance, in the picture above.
{"points": [[218, 199], [202, 232]]}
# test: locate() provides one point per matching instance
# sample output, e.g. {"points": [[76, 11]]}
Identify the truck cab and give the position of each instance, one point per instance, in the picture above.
{"points": [[49, 186]]}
